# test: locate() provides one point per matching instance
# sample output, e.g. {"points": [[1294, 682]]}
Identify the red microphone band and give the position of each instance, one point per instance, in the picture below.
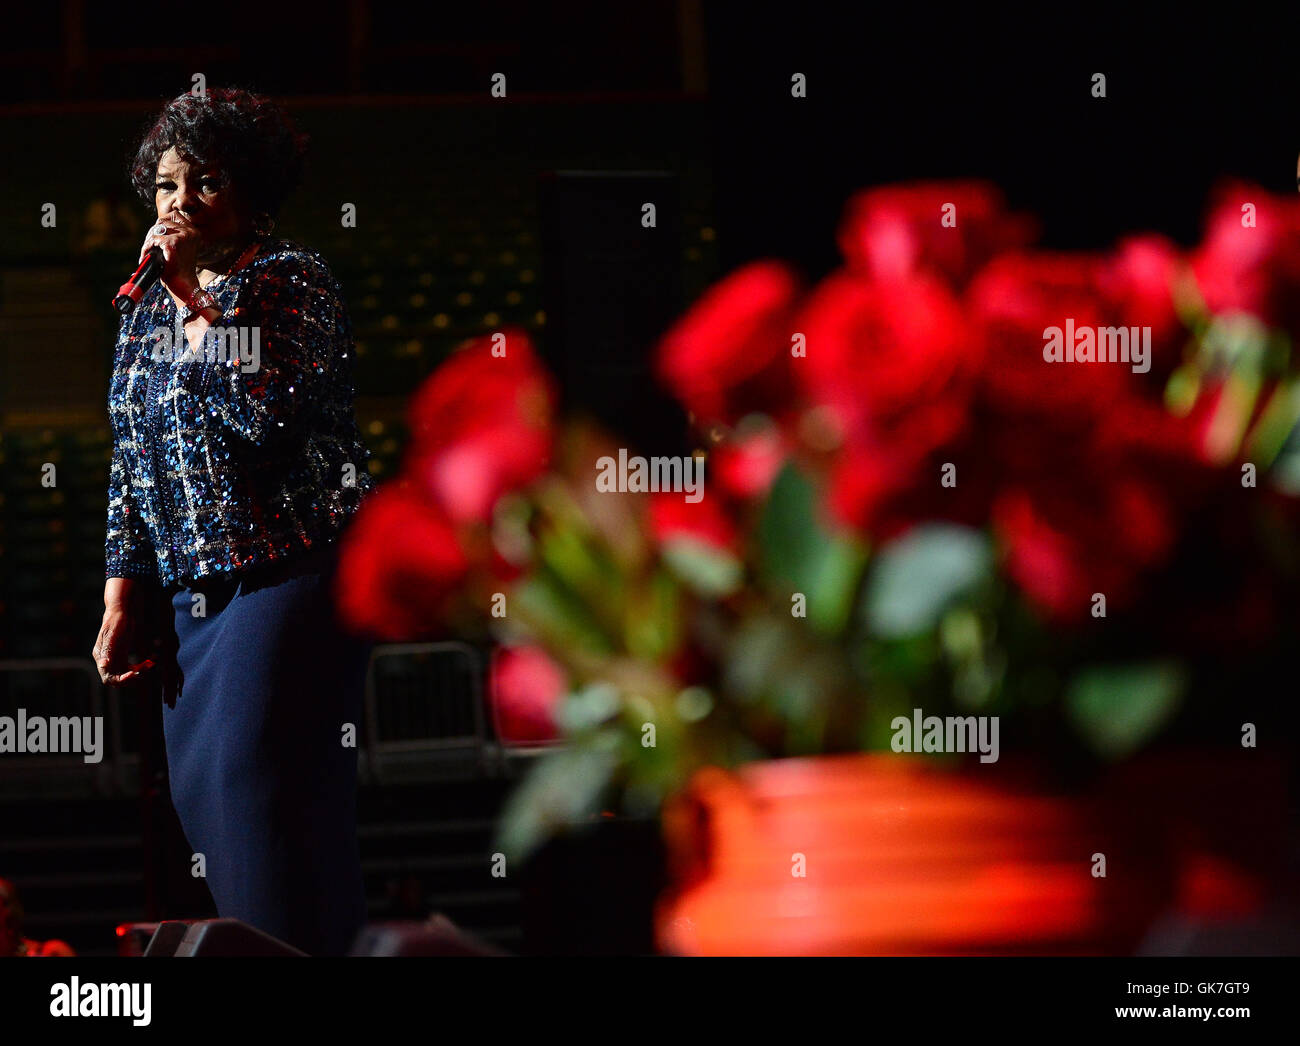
{"points": [[131, 290], [129, 294]]}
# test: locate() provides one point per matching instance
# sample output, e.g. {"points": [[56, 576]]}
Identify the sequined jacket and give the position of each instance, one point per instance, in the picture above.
{"points": [[247, 450]]}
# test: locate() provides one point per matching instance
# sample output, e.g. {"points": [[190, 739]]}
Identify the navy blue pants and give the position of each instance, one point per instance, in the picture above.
{"points": [[261, 778]]}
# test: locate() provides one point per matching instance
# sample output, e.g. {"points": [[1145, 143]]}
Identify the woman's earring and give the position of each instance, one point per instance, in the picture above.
{"points": [[262, 226]]}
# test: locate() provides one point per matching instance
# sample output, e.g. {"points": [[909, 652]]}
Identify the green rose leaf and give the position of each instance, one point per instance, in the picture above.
{"points": [[916, 577], [709, 571], [800, 554], [557, 617], [561, 791], [1118, 708]]}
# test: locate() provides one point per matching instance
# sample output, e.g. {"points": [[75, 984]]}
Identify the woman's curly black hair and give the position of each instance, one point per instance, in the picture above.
{"points": [[249, 138]]}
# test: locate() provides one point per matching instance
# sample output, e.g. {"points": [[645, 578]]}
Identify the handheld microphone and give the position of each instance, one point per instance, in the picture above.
{"points": [[144, 277]]}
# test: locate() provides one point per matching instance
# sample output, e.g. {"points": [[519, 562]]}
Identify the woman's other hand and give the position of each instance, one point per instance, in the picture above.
{"points": [[117, 633]]}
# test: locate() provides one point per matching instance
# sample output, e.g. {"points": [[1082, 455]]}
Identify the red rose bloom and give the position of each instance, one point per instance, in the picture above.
{"points": [[728, 355], [745, 466], [672, 516], [888, 358], [1014, 301], [1093, 477], [868, 484], [1137, 282], [898, 230], [399, 561], [1068, 540], [481, 426], [526, 689], [1251, 268], [895, 364], [1087, 506]]}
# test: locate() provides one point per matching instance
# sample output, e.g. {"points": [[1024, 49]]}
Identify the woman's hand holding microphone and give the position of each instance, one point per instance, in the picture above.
{"points": [[180, 240]]}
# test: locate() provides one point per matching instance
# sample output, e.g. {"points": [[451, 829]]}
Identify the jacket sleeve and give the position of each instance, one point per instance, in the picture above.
{"points": [[128, 550], [303, 330]]}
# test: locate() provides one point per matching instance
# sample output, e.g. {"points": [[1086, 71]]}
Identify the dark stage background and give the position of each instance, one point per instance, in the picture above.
{"points": [[474, 212]]}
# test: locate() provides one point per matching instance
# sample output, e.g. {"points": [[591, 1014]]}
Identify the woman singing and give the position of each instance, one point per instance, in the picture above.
{"points": [[236, 464]]}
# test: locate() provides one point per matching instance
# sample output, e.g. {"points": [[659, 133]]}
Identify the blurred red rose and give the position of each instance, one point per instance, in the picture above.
{"points": [[399, 563], [1067, 540], [898, 230], [1091, 480], [481, 426], [894, 363], [745, 466], [867, 484], [1014, 300], [1251, 268], [1145, 435], [1137, 281], [1084, 508], [729, 354], [526, 689], [672, 516], [888, 357], [467, 477]]}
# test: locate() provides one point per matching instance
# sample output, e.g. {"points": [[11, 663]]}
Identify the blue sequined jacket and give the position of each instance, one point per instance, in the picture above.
{"points": [[247, 450]]}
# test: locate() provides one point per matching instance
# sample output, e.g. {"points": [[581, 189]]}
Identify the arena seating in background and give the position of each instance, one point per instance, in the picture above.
{"points": [[415, 293], [424, 712], [425, 720]]}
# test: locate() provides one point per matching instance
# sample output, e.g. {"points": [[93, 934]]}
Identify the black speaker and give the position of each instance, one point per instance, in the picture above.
{"points": [[224, 937], [166, 939], [437, 936], [611, 288]]}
